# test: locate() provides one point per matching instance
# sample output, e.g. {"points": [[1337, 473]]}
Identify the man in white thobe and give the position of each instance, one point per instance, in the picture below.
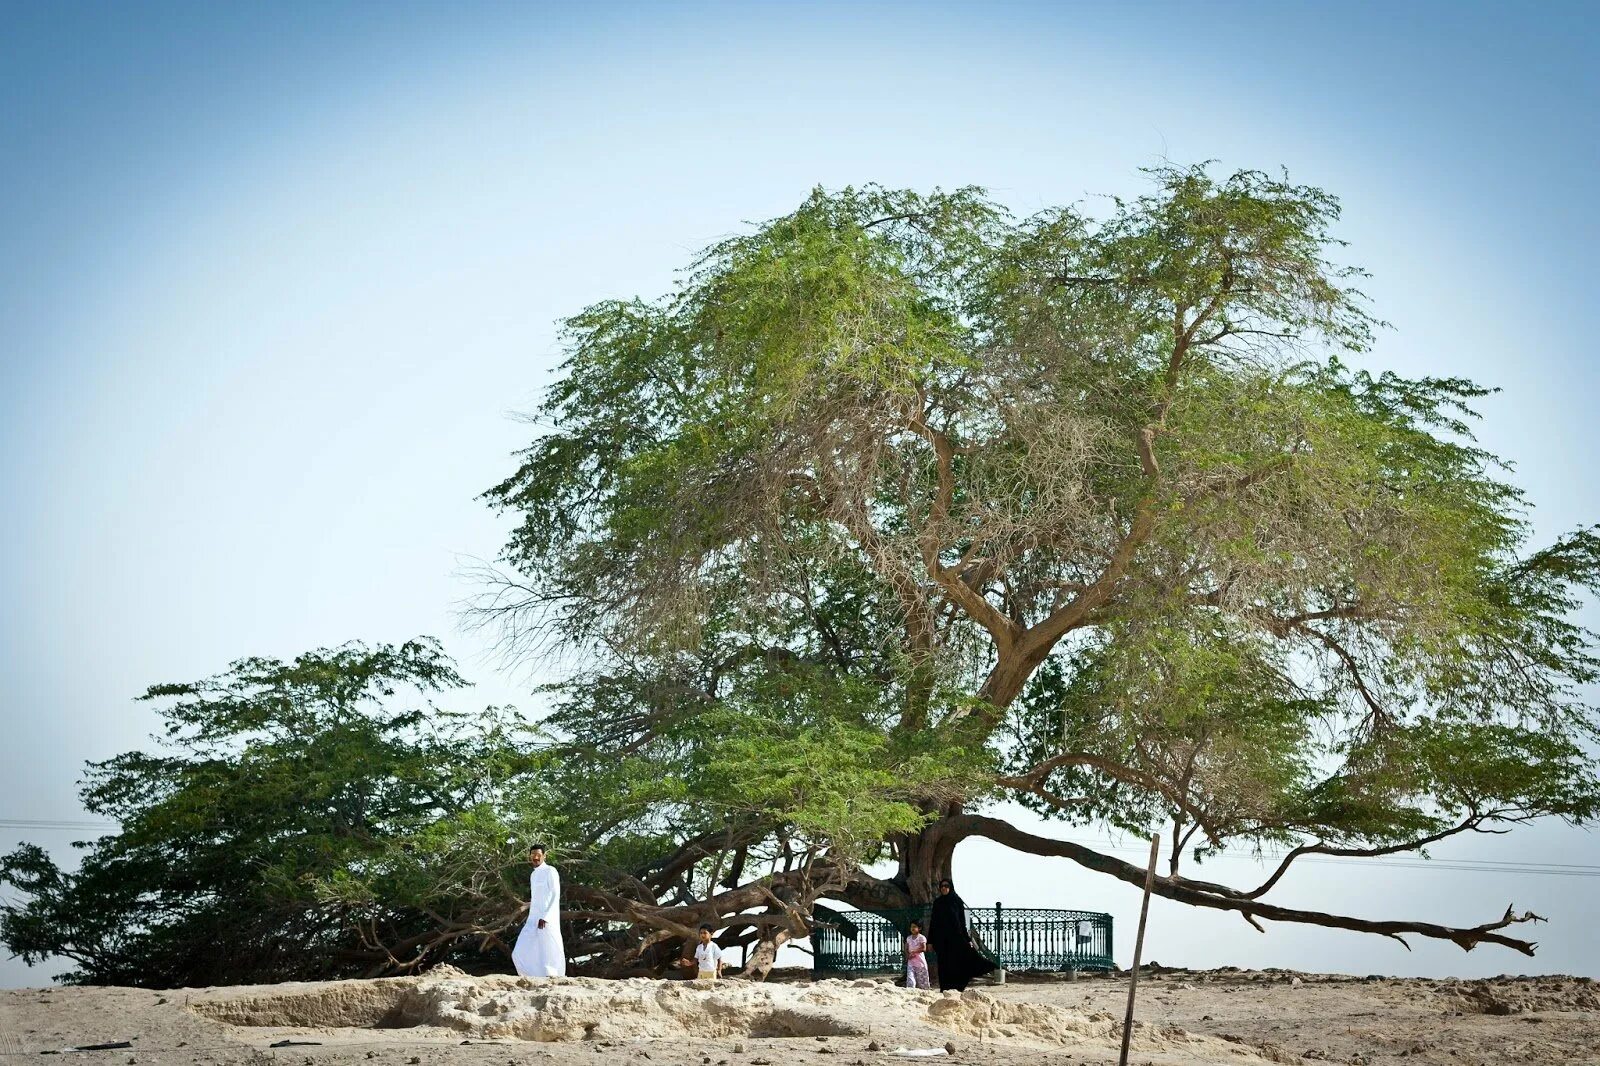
{"points": [[539, 951]]}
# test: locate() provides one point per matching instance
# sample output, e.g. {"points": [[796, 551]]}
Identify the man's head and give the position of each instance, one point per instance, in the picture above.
{"points": [[705, 933], [536, 855]]}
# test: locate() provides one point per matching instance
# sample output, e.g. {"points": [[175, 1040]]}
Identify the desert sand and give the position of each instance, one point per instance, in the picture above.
{"points": [[446, 1018]]}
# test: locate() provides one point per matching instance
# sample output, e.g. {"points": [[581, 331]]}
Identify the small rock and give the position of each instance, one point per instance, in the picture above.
{"points": [[874, 1046], [949, 1047], [1296, 981], [738, 1049]]}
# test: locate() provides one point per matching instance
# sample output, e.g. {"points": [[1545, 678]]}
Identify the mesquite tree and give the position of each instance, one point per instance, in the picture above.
{"points": [[900, 505]]}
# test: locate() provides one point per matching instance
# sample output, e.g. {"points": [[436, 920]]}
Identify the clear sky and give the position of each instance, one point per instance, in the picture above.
{"points": [[273, 279]]}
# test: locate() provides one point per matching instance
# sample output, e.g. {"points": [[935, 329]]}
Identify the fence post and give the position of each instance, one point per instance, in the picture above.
{"points": [[1138, 947], [999, 944]]}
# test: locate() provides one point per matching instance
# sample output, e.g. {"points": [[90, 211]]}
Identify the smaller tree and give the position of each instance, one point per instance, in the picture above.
{"points": [[313, 819]]}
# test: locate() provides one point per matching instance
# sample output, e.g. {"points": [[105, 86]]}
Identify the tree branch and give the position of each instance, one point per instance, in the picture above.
{"points": [[1217, 897], [1320, 848], [949, 579], [1351, 666]]}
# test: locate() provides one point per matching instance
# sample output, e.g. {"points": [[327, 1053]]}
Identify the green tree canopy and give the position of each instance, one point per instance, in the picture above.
{"points": [[300, 820], [1093, 513]]}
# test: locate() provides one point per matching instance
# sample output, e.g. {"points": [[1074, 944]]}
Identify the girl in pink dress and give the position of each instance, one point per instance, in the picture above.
{"points": [[916, 958]]}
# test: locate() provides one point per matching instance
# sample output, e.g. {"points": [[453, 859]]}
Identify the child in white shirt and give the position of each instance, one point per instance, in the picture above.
{"points": [[707, 960]]}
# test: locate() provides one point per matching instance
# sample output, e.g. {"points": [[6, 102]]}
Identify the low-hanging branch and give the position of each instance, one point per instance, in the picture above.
{"points": [[1218, 897]]}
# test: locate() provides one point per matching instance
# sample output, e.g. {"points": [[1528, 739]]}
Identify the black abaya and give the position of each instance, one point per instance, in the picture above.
{"points": [[958, 961]]}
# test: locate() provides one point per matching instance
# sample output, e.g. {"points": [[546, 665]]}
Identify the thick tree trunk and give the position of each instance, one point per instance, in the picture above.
{"points": [[1006, 682], [925, 858]]}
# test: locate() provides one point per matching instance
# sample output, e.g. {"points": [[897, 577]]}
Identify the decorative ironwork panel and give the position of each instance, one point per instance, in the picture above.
{"points": [[1028, 938]]}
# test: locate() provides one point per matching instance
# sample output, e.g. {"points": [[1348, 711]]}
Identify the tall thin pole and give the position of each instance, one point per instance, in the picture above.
{"points": [[1138, 946]]}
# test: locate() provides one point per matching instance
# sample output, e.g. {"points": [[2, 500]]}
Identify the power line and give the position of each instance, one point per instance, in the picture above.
{"points": [[46, 823], [1465, 865]]}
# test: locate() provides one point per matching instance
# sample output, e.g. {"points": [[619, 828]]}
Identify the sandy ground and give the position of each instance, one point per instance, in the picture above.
{"points": [[1185, 1018]]}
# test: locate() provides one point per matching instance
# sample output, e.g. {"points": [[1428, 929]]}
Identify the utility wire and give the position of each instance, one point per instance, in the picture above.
{"points": [[1477, 865], [29, 823]]}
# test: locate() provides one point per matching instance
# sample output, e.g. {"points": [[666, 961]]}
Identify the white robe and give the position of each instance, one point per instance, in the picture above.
{"points": [[539, 952]]}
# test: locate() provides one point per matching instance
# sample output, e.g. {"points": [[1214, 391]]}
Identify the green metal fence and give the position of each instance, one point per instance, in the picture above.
{"points": [[1016, 938]]}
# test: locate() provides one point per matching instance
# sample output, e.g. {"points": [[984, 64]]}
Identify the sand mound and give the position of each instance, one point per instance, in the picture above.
{"points": [[554, 1009], [569, 1009]]}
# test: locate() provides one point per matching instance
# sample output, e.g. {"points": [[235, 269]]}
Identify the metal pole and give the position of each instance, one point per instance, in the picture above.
{"points": [[1138, 947], [999, 943]]}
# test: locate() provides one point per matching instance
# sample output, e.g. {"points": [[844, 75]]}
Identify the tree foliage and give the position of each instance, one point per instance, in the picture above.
{"points": [[307, 819], [1096, 513]]}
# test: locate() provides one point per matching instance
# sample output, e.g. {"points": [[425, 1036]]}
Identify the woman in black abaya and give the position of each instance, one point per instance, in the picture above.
{"points": [[958, 961]]}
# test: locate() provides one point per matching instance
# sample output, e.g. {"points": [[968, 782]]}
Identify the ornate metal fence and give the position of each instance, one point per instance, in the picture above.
{"points": [[1017, 938]]}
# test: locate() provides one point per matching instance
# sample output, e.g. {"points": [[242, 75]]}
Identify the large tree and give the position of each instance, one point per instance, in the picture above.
{"points": [[899, 506]]}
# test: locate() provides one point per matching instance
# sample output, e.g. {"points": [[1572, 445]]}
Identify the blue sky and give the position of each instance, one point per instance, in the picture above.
{"points": [[274, 278]]}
